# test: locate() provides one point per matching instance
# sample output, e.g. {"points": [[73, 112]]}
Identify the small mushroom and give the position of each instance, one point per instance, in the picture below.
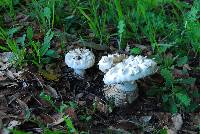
{"points": [[121, 78], [109, 61], [5, 60], [79, 60]]}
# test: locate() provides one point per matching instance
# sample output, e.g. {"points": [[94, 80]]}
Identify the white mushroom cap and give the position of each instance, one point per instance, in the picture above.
{"points": [[130, 69], [80, 59], [109, 61]]}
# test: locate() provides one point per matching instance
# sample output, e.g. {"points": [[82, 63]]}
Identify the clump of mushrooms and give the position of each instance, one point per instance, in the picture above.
{"points": [[80, 59], [120, 79]]}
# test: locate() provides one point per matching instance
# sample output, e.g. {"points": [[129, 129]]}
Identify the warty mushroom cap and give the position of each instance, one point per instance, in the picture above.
{"points": [[130, 69], [80, 59], [109, 61]]}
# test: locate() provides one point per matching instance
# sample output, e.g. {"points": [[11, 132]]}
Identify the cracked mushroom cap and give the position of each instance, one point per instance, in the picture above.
{"points": [[109, 61], [80, 58], [130, 69]]}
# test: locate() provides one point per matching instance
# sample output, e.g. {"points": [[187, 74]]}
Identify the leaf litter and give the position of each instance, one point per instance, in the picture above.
{"points": [[25, 103]]}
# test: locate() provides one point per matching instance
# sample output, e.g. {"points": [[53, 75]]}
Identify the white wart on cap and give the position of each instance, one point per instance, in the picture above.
{"points": [[109, 61], [79, 60]]}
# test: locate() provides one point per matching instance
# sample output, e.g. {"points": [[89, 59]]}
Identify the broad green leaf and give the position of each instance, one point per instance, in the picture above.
{"points": [[63, 107], [167, 75], [168, 61], [192, 107], [173, 107], [46, 45], [47, 13], [179, 89], [164, 47], [29, 33], [183, 98], [121, 26], [46, 60], [73, 104], [21, 40], [52, 53], [88, 118], [136, 50], [165, 98], [163, 131], [13, 31], [182, 61], [46, 97]]}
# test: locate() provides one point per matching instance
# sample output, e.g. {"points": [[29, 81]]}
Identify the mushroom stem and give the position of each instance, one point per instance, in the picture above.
{"points": [[122, 93], [79, 72], [127, 86]]}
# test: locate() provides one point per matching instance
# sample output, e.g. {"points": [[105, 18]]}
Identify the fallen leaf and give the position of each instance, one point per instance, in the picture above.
{"points": [[177, 73], [71, 113], [25, 109], [47, 119], [49, 75], [58, 118], [52, 91], [145, 119], [38, 36], [101, 105], [10, 75], [8, 83], [3, 103], [186, 66], [2, 77], [177, 121], [119, 131]]}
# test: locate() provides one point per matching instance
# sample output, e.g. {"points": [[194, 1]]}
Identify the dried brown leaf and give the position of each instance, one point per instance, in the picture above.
{"points": [[10, 75], [52, 91]]}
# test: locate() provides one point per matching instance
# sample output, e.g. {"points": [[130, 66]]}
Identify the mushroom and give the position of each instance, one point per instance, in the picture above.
{"points": [[79, 60], [121, 78], [5, 60], [109, 61]]}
